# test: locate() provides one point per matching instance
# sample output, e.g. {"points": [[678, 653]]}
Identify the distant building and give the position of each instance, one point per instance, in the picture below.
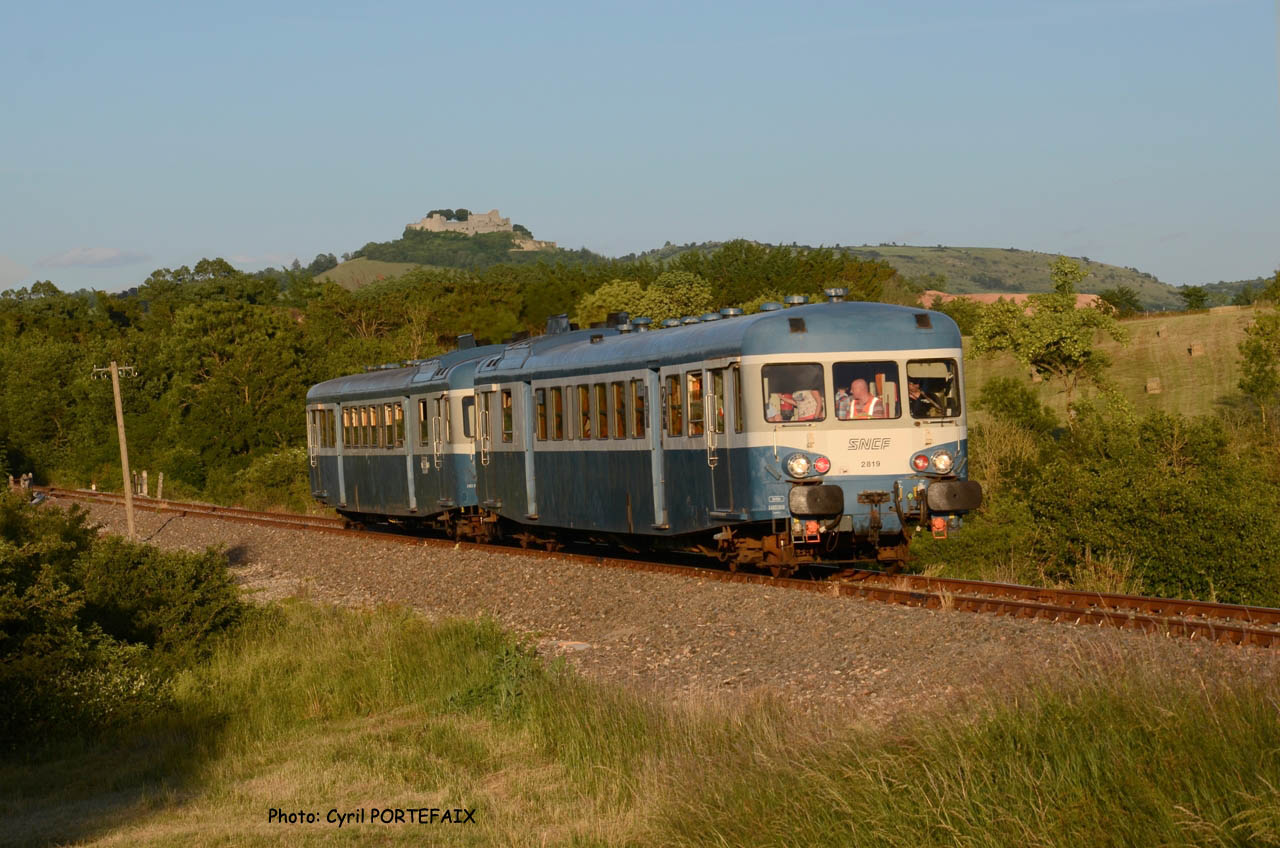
{"points": [[488, 222], [930, 297]]}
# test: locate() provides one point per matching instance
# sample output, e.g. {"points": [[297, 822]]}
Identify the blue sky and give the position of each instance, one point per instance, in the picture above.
{"points": [[135, 136]]}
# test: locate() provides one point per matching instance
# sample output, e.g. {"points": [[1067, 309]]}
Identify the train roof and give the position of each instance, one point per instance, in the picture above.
{"points": [[854, 326], [819, 327], [455, 369]]}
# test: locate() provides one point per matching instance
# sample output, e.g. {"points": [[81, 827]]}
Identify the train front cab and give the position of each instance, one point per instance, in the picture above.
{"points": [[844, 455]]}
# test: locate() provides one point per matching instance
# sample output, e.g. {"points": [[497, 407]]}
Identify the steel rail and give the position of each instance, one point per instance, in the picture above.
{"points": [[1073, 598], [1069, 606]]}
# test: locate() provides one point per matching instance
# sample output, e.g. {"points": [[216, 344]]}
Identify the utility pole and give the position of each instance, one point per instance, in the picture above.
{"points": [[129, 371]]}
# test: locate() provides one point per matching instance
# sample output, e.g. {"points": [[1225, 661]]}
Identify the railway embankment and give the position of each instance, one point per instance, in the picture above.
{"points": [[680, 637]]}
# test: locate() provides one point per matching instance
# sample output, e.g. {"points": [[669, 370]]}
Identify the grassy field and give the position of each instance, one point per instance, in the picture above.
{"points": [[358, 272], [1158, 348], [323, 709]]}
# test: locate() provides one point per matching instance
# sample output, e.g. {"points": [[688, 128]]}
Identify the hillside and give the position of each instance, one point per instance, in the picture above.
{"points": [[994, 269], [468, 252], [359, 271], [1158, 347], [979, 269]]}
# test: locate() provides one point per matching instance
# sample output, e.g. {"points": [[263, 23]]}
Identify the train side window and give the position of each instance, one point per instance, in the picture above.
{"points": [[675, 406], [330, 429], [388, 427], [540, 400], [424, 426], [584, 411], [793, 392], [739, 421], [619, 410], [399, 414], [717, 400], [375, 432], [508, 416], [468, 417], [637, 409], [346, 427], [602, 411], [694, 379], [557, 413], [362, 436]]}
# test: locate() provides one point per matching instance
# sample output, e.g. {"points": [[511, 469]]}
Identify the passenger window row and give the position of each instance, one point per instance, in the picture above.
{"points": [[373, 426], [615, 409]]}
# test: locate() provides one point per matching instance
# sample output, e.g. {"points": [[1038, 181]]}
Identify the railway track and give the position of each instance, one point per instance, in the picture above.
{"points": [[1227, 623]]}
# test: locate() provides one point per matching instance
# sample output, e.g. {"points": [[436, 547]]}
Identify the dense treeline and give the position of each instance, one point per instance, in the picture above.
{"points": [[224, 358]]}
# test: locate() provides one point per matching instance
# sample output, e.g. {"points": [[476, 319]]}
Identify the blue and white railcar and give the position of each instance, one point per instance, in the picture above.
{"points": [[398, 442], [823, 431]]}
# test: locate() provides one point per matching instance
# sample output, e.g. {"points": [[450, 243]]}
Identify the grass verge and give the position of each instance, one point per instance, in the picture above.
{"points": [[316, 708]]}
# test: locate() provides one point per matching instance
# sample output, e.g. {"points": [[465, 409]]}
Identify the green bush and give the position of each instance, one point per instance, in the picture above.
{"points": [[1011, 400], [1168, 494], [91, 628]]}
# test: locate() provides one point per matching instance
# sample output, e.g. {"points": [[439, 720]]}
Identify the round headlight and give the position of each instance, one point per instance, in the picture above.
{"points": [[920, 462], [798, 465], [942, 461]]}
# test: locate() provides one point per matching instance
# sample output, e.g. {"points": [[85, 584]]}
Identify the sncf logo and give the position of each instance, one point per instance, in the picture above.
{"points": [[869, 444]]}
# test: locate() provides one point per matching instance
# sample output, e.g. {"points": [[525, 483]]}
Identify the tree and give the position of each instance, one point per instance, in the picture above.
{"points": [[1123, 300], [1050, 335], [1260, 361], [323, 262], [1195, 297]]}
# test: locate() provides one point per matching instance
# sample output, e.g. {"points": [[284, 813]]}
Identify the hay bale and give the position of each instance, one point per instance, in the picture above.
{"points": [[1196, 349], [1153, 385]]}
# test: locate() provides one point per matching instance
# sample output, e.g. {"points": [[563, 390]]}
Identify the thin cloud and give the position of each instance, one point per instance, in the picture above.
{"points": [[94, 257]]}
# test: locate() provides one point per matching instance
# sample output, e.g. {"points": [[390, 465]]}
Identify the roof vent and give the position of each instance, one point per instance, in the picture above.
{"points": [[709, 316], [641, 324], [616, 318], [923, 321], [625, 327], [557, 324], [795, 300], [689, 319], [770, 306], [466, 341], [836, 295], [671, 322], [731, 312]]}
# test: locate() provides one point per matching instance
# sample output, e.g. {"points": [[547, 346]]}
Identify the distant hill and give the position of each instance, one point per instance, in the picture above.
{"points": [[980, 269], [994, 269], [468, 252]]}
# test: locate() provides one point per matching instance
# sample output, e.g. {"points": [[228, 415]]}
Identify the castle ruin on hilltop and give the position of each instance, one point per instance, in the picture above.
{"points": [[476, 223]]}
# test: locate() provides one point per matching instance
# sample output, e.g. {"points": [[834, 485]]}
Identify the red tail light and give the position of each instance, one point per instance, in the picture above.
{"points": [[822, 465], [920, 462]]}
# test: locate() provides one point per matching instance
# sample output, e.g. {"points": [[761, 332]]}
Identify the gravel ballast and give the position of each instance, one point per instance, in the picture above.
{"points": [[680, 637]]}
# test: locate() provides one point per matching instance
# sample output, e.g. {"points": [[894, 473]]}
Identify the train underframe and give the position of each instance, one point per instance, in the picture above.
{"points": [[780, 546]]}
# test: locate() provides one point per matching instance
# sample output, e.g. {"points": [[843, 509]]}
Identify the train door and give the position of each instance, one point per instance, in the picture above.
{"points": [[657, 463], [486, 483], [718, 436], [440, 435]]}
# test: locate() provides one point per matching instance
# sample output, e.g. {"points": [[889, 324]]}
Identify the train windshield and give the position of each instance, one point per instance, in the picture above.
{"points": [[866, 390], [793, 392], [933, 388]]}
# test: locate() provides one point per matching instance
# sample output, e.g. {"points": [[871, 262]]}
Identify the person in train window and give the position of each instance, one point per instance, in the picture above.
{"points": [[808, 405], [923, 404], [859, 402]]}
